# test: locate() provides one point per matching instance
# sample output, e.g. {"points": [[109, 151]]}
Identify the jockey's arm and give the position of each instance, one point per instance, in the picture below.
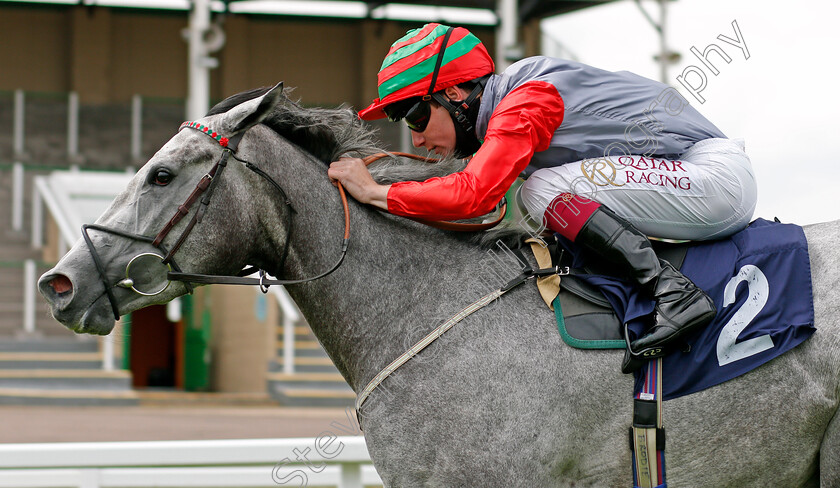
{"points": [[522, 123]]}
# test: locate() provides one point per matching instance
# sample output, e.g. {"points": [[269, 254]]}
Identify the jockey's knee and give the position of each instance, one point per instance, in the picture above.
{"points": [[730, 215], [732, 208]]}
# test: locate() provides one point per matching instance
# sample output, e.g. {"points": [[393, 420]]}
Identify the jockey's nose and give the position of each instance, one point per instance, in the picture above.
{"points": [[417, 138]]}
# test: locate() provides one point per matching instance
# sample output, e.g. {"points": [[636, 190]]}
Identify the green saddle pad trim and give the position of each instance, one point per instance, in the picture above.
{"points": [[581, 343]]}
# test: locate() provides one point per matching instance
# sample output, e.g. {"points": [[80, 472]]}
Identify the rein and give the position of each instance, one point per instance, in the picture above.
{"points": [[202, 194], [262, 281]]}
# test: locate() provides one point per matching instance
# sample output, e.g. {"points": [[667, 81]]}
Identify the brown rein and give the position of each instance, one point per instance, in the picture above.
{"points": [[205, 189], [231, 146], [438, 224]]}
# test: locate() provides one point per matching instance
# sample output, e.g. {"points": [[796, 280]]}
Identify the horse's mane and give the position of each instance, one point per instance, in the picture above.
{"points": [[330, 133]]}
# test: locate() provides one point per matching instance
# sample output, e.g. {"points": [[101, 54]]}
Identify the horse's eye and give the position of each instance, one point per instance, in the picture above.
{"points": [[162, 177]]}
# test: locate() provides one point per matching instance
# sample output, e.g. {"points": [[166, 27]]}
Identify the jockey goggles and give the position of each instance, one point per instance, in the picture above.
{"points": [[415, 111]]}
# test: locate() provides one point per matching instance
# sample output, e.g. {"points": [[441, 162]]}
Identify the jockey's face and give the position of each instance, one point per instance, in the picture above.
{"points": [[439, 135]]}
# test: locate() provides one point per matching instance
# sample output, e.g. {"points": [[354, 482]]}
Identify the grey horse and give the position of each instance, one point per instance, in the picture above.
{"points": [[497, 401]]}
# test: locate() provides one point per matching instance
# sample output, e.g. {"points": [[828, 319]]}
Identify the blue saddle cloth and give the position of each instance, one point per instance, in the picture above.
{"points": [[760, 281]]}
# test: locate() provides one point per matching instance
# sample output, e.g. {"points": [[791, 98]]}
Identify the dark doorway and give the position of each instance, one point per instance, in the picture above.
{"points": [[155, 352]]}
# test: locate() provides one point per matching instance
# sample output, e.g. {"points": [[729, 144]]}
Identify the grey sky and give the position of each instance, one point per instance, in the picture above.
{"points": [[782, 100]]}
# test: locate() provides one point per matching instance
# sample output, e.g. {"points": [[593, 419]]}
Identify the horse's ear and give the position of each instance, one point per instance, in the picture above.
{"points": [[250, 113]]}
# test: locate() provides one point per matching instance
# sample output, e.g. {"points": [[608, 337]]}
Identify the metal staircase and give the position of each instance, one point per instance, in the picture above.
{"points": [[60, 371], [45, 363], [315, 382], [49, 364], [15, 248]]}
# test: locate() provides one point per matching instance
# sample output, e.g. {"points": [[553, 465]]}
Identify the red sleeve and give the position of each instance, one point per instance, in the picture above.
{"points": [[522, 123]]}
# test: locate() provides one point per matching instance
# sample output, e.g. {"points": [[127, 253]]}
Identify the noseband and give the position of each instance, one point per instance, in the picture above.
{"points": [[204, 191]]}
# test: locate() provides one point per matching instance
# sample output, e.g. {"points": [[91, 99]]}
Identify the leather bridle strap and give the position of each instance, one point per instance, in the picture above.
{"points": [[184, 208], [100, 267], [442, 224], [205, 187], [262, 281], [289, 221]]}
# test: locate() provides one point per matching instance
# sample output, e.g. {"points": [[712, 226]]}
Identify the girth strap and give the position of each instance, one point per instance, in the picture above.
{"points": [[527, 273], [647, 436]]}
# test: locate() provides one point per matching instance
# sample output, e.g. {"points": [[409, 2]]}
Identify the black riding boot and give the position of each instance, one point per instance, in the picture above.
{"points": [[681, 307]]}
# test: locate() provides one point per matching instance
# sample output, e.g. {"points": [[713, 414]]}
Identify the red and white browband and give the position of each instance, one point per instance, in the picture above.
{"points": [[223, 141]]}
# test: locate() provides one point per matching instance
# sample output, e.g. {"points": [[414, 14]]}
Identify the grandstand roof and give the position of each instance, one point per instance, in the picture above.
{"points": [[467, 12], [528, 9]]}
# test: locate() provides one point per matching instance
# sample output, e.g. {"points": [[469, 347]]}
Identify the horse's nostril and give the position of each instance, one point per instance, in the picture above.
{"points": [[57, 289], [61, 284]]}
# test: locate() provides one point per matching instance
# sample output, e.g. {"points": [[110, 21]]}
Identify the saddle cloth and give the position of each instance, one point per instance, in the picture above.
{"points": [[759, 279]]}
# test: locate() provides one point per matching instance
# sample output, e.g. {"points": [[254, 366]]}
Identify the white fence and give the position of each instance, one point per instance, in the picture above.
{"points": [[326, 461]]}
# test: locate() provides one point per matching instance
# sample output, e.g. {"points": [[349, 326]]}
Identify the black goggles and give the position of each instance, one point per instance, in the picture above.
{"points": [[415, 112]]}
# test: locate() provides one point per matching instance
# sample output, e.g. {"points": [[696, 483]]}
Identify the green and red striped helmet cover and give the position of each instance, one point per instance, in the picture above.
{"points": [[407, 69]]}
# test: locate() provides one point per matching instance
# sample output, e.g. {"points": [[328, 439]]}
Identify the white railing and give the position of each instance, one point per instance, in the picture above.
{"points": [[19, 126], [136, 128], [30, 283], [18, 122], [71, 198], [19, 136], [17, 196], [326, 461], [42, 195], [291, 316], [73, 125]]}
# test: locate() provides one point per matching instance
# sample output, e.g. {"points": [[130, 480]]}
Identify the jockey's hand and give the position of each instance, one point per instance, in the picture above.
{"points": [[356, 179]]}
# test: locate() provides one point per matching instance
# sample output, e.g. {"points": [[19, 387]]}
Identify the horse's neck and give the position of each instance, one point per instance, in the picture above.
{"points": [[378, 302], [385, 295]]}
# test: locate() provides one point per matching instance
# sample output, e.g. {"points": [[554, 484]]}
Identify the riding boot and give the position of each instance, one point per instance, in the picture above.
{"points": [[681, 307]]}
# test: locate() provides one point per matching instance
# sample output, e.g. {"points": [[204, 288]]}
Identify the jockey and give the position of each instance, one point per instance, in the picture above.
{"points": [[610, 157]]}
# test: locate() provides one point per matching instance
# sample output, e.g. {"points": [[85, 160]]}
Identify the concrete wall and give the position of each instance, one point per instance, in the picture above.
{"points": [[243, 338], [109, 54], [34, 48]]}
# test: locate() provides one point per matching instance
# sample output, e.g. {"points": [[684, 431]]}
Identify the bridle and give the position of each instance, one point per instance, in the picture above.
{"points": [[204, 191]]}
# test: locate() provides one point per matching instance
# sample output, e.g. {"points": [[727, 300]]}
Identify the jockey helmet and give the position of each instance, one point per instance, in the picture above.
{"points": [[413, 68]]}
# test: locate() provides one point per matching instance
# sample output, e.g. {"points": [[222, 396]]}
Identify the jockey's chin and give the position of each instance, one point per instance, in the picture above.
{"points": [[441, 151]]}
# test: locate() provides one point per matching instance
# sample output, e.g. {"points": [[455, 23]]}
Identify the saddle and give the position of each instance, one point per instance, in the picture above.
{"points": [[759, 279], [585, 319]]}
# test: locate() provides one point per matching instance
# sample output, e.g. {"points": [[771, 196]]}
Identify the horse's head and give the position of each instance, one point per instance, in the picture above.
{"points": [[99, 278]]}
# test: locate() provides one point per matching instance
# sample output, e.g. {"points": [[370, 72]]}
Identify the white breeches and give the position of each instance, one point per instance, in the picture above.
{"points": [[710, 192]]}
